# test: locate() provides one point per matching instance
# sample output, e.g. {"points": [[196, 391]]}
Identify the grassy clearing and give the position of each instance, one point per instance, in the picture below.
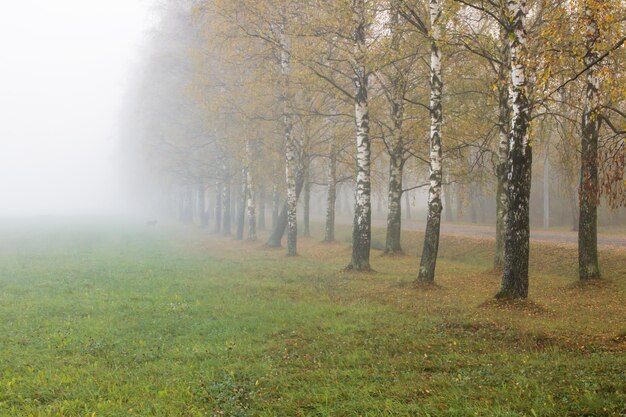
{"points": [[132, 322]]}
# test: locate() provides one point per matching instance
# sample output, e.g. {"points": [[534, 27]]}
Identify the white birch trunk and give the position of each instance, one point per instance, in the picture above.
{"points": [[396, 148], [433, 222], [504, 129], [331, 196], [361, 232], [290, 146]]}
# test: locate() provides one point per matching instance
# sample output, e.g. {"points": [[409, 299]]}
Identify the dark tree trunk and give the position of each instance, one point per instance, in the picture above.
{"points": [[447, 202], [329, 229], [473, 198], [306, 207], [546, 189], [407, 205], [574, 210], [241, 205], [588, 267], [275, 206], [396, 147], [261, 222], [226, 207], [274, 241], [394, 207], [340, 205], [201, 206], [459, 203], [519, 165], [481, 206], [218, 207]]}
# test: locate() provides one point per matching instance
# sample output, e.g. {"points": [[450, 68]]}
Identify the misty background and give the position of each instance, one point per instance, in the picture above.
{"points": [[65, 68]]}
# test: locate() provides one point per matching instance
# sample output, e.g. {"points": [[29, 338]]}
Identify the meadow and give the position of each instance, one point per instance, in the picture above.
{"points": [[120, 320]]}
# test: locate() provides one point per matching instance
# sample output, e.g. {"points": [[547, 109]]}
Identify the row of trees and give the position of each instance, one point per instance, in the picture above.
{"points": [[270, 98]]}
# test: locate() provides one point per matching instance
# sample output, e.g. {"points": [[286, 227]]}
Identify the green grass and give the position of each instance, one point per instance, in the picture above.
{"points": [[122, 321]]}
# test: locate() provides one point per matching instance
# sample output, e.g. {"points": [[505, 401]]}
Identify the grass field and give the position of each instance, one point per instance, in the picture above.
{"points": [[123, 321]]}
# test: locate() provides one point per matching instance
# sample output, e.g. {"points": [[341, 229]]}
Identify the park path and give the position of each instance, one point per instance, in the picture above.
{"points": [[484, 231]]}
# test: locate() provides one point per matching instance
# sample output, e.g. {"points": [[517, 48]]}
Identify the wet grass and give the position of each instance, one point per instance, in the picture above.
{"points": [[122, 321]]}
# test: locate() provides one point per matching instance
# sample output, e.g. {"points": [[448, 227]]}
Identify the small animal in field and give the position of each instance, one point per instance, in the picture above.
{"points": [[151, 223]]}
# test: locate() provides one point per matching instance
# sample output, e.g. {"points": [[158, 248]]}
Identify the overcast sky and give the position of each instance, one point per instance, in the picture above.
{"points": [[64, 65]]}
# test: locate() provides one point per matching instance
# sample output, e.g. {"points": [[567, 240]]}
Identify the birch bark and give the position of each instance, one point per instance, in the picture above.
{"points": [[396, 149], [433, 221], [519, 164], [331, 198], [588, 267], [290, 145], [361, 232], [504, 128]]}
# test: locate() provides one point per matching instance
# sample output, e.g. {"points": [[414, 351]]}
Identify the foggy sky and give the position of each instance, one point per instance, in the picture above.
{"points": [[64, 65]]}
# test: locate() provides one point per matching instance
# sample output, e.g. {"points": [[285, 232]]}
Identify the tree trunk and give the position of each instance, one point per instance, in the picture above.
{"points": [[306, 198], [396, 147], [546, 189], [519, 165], [588, 267], [241, 205], [261, 202], [274, 241], [251, 206], [361, 232], [218, 207], [407, 205], [447, 201], [306, 207], [394, 207], [481, 206], [504, 129], [459, 203], [290, 145], [226, 206], [329, 229], [473, 198], [201, 206], [574, 210], [208, 210], [276, 207], [433, 221]]}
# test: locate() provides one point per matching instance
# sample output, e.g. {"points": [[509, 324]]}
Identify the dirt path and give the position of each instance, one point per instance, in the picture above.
{"points": [[490, 232]]}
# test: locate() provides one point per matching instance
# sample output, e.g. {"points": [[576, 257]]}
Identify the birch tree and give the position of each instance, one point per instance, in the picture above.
{"points": [[361, 232], [588, 218], [519, 164]]}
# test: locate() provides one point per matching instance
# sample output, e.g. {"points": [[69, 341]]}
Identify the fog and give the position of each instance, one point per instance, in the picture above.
{"points": [[63, 73]]}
